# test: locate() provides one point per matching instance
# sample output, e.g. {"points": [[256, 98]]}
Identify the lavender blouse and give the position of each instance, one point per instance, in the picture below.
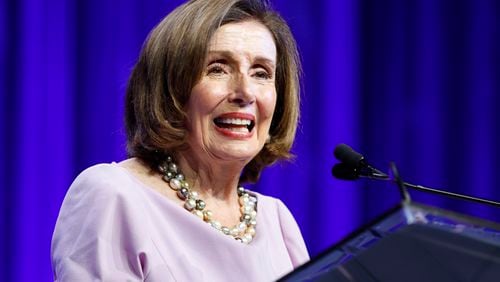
{"points": [[111, 227]]}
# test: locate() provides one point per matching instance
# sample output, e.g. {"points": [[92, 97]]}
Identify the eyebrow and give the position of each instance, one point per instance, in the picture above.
{"points": [[229, 55]]}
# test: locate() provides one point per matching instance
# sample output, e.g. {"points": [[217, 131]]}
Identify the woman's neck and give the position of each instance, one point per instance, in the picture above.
{"points": [[215, 179]]}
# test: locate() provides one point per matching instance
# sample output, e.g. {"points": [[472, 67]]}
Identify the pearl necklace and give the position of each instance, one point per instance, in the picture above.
{"points": [[244, 231]]}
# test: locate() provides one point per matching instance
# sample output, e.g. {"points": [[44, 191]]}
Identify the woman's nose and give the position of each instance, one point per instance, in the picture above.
{"points": [[242, 91]]}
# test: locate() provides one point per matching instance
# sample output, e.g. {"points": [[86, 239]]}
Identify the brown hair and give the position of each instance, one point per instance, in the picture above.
{"points": [[171, 63]]}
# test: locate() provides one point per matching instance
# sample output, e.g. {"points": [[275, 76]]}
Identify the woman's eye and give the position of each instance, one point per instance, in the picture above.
{"points": [[262, 74], [216, 69]]}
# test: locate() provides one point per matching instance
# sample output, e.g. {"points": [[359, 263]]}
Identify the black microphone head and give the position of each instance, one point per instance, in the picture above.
{"points": [[345, 172], [347, 155]]}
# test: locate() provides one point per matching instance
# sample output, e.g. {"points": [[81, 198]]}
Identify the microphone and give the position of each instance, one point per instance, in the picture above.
{"points": [[353, 165], [347, 155]]}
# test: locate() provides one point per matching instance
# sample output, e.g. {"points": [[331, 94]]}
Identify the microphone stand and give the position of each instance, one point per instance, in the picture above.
{"points": [[406, 197]]}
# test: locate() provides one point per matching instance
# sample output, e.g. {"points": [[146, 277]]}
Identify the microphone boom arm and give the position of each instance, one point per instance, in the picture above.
{"points": [[451, 195], [353, 165]]}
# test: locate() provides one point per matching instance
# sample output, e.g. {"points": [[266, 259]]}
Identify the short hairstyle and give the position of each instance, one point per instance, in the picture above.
{"points": [[172, 62]]}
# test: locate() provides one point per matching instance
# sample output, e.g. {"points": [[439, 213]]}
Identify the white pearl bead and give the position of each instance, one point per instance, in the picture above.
{"points": [[251, 230], [242, 226], [248, 237], [253, 214], [246, 209], [225, 230], [175, 184], [194, 195], [215, 224], [244, 200], [235, 231], [198, 213], [190, 204]]}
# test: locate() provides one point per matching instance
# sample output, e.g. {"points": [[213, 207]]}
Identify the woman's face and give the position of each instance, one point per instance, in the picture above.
{"points": [[231, 107]]}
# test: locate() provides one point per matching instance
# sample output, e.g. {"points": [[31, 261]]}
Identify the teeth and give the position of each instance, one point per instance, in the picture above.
{"points": [[238, 129], [235, 121]]}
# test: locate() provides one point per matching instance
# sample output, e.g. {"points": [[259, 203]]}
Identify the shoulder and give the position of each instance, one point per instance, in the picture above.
{"points": [[101, 188], [101, 174], [103, 179], [272, 204]]}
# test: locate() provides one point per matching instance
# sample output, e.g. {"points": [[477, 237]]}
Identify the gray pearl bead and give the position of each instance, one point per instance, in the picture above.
{"points": [[172, 167], [183, 193], [200, 205], [163, 168], [180, 176], [166, 179]]}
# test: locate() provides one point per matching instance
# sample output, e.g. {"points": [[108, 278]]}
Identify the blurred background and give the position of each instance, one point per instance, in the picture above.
{"points": [[416, 82]]}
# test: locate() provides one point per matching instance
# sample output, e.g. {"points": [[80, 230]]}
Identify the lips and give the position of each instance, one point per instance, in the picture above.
{"points": [[235, 124]]}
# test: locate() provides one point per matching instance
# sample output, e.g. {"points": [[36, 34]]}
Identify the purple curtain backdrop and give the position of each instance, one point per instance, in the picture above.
{"points": [[416, 82]]}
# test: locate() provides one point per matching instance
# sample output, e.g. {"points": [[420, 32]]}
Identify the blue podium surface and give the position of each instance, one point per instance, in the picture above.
{"points": [[411, 242]]}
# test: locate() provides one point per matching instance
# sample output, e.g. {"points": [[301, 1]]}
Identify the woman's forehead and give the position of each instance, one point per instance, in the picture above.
{"points": [[244, 38]]}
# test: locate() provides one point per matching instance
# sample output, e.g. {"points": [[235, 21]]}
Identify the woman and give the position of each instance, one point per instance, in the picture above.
{"points": [[212, 100]]}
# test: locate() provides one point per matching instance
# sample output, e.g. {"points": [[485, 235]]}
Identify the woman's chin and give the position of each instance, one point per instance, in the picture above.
{"points": [[221, 148], [236, 152]]}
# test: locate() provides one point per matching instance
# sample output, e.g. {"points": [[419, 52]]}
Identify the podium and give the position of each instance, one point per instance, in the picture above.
{"points": [[411, 242]]}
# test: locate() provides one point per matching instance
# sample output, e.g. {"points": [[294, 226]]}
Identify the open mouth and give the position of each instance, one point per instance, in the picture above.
{"points": [[235, 124]]}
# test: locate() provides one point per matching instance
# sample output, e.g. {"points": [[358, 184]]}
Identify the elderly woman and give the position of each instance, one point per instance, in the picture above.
{"points": [[212, 100]]}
